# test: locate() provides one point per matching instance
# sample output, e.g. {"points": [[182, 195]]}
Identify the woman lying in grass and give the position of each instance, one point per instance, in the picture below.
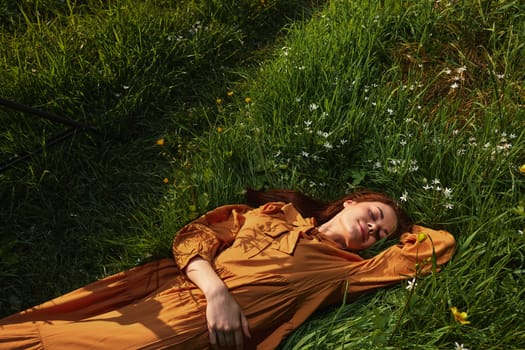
{"points": [[243, 276]]}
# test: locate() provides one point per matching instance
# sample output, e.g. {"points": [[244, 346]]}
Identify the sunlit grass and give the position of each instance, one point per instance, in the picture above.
{"points": [[423, 100]]}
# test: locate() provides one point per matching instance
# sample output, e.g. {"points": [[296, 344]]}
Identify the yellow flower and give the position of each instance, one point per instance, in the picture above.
{"points": [[248, 100], [459, 316], [165, 180], [421, 237], [160, 142], [229, 93], [219, 101], [522, 169], [219, 129]]}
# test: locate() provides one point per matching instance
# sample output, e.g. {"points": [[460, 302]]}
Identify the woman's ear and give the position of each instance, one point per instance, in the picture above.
{"points": [[347, 203]]}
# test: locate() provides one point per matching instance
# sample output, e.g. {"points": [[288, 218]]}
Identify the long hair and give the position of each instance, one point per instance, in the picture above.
{"points": [[323, 211]]}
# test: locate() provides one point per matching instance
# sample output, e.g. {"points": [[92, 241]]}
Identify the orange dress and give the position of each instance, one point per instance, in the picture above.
{"points": [[274, 262]]}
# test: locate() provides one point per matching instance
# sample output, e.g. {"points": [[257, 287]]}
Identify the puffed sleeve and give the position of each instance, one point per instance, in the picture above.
{"points": [[415, 253], [208, 235]]}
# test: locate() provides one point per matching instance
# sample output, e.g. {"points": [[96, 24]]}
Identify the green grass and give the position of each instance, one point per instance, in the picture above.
{"points": [[393, 96]]}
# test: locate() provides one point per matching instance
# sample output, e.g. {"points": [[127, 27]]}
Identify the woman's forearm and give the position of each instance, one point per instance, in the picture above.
{"points": [[227, 325], [200, 272]]}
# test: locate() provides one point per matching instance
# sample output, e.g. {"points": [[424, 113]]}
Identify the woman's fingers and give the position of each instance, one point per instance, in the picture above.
{"points": [[221, 337], [227, 324], [245, 326], [226, 338], [239, 339]]}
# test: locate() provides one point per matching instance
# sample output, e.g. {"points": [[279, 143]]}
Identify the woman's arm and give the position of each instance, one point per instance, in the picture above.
{"points": [[208, 235], [412, 257], [226, 321], [194, 248]]}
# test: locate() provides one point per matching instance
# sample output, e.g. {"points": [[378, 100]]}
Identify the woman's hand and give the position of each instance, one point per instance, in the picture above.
{"points": [[227, 324], [226, 321]]}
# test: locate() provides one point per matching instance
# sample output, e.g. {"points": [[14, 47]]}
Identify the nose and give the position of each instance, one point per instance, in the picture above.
{"points": [[372, 228]]}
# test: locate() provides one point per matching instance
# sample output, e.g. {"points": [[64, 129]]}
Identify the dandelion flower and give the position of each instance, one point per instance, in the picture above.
{"points": [[229, 93], [522, 169], [421, 237], [165, 180], [219, 129], [248, 100], [459, 316], [218, 101], [160, 142]]}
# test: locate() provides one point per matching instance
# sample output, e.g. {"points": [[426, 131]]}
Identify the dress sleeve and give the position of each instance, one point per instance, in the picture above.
{"points": [[208, 235], [415, 253]]}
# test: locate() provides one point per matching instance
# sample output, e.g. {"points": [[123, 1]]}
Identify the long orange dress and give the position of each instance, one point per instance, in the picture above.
{"points": [[274, 262]]}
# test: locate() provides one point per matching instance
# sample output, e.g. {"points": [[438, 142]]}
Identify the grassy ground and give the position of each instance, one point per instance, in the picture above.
{"points": [[421, 99]]}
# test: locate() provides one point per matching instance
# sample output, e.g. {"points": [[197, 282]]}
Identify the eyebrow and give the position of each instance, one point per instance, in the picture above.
{"points": [[381, 213]]}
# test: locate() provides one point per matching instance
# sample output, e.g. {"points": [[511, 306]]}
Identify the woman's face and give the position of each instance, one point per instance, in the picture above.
{"points": [[360, 224]]}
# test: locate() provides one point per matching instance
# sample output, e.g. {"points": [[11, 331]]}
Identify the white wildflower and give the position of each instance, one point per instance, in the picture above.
{"points": [[412, 284], [313, 107], [327, 145], [404, 197], [454, 86], [459, 346], [323, 134]]}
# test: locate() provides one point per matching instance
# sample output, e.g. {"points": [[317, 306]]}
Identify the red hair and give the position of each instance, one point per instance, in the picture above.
{"points": [[324, 211]]}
